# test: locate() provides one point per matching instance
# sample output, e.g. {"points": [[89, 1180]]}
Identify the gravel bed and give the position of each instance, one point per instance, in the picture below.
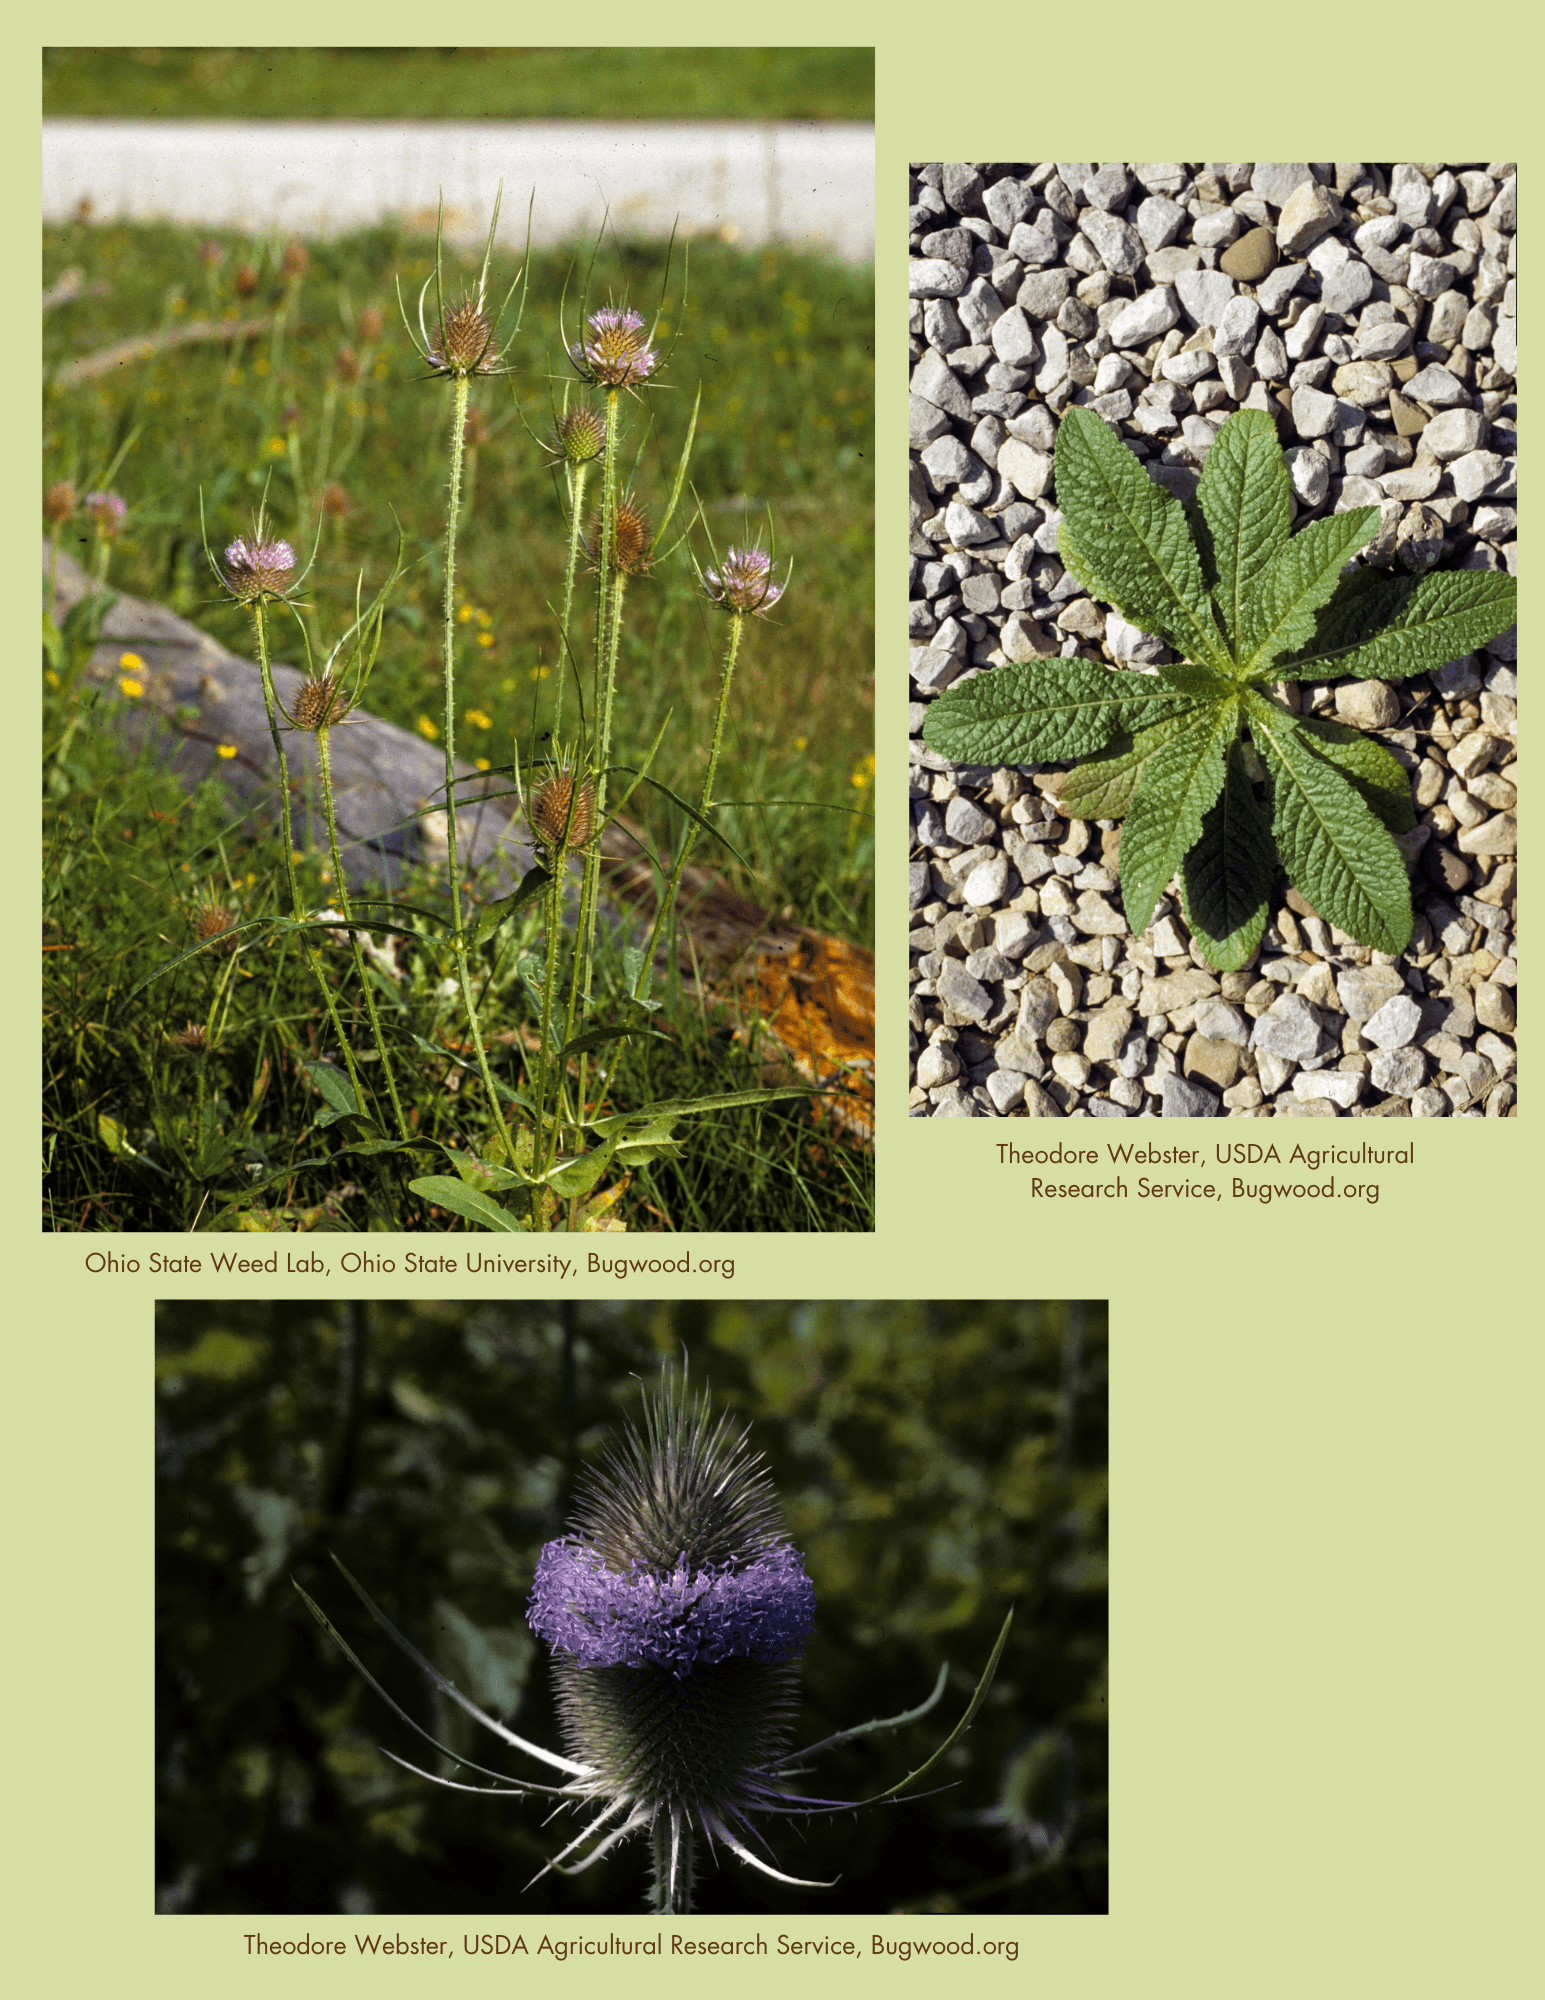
{"points": [[1370, 310]]}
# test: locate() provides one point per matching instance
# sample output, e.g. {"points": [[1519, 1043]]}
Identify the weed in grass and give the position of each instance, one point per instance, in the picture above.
{"points": [[543, 1127]]}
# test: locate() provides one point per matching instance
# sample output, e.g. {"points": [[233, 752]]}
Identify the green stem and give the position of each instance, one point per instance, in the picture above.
{"points": [[325, 762], [672, 1900], [296, 909], [689, 833], [458, 425], [543, 1151], [580, 475]]}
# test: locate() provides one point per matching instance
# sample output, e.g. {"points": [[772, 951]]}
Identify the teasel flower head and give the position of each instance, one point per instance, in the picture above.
{"points": [[107, 511], [579, 435], [321, 703], [59, 501], [192, 1040], [463, 343], [561, 817], [372, 324], [211, 920], [614, 352], [245, 280], [346, 364], [211, 253], [632, 541], [335, 500], [743, 582], [676, 1607], [256, 567], [296, 262]]}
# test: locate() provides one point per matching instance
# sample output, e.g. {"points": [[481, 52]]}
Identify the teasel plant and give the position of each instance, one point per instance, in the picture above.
{"points": [[676, 1608]]}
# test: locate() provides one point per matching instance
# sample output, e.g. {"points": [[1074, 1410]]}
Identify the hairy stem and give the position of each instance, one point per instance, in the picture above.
{"points": [[287, 835], [458, 424]]}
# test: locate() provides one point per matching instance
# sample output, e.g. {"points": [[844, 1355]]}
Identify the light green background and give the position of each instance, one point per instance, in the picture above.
{"points": [[1326, 1492]]}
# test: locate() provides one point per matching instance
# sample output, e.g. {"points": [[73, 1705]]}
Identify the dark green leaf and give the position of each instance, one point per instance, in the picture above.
{"points": [[1245, 510], [467, 1202], [1182, 778], [1045, 712], [1334, 848], [1227, 877], [1103, 788], [1301, 579], [334, 1086], [1387, 627], [1368, 767], [1129, 539]]}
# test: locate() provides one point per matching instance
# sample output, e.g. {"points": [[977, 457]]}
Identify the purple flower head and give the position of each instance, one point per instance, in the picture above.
{"points": [[256, 569], [681, 1619], [744, 581], [614, 351], [107, 511]]}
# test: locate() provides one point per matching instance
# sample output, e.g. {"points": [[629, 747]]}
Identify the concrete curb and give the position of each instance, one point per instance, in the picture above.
{"points": [[809, 184]]}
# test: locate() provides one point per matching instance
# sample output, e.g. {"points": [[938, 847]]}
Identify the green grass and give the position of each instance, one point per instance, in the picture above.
{"points": [[782, 344], [459, 83]]}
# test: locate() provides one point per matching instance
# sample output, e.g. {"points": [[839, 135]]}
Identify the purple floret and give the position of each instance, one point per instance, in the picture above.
{"points": [[614, 351], [744, 581], [762, 1610]]}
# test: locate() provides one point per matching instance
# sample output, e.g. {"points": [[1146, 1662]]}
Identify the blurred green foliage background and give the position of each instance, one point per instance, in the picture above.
{"points": [[937, 1462], [459, 83]]}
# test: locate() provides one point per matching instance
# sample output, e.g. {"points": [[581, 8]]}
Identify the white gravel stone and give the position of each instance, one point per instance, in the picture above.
{"points": [[1398, 1072], [1394, 1026], [1204, 294], [1144, 319], [1341, 1086]]}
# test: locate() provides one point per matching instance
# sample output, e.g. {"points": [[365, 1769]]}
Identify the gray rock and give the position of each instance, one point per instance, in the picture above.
{"points": [[1218, 1021], [1395, 1024], [1435, 385], [1013, 340], [966, 824], [1310, 212], [935, 278], [1205, 295], [961, 994], [1340, 1086], [936, 383], [1183, 1097], [1148, 315], [1030, 472], [1119, 245], [987, 883], [1398, 1072], [1314, 413], [1043, 293], [1236, 331], [1452, 433], [965, 526], [1159, 221], [1289, 1028], [1006, 1088], [937, 1065], [1275, 180]]}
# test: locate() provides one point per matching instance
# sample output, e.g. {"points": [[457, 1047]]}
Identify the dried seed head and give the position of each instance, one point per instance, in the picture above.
{"points": [[192, 1038], [335, 500], [347, 364], [321, 704], [59, 501], [210, 252], [580, 435], [372, 323], [254, 569], [553, 821], [464, 344], [297, 261], [744, 581], [211, 920], [245, 280], [614, 351]]}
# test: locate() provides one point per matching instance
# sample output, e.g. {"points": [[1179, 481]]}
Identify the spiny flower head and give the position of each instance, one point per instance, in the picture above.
{"points": [[558, 818], [744, 581], [632, 540], [463, 343], [191, 1039], [321, 703], [255, 568], [211, 920], [372, 323], [59, 501], [210, 252], [614, 352], [579, 435]]}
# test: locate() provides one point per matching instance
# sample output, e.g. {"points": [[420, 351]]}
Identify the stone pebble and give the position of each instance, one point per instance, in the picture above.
{"points": [[1371, 311]]}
